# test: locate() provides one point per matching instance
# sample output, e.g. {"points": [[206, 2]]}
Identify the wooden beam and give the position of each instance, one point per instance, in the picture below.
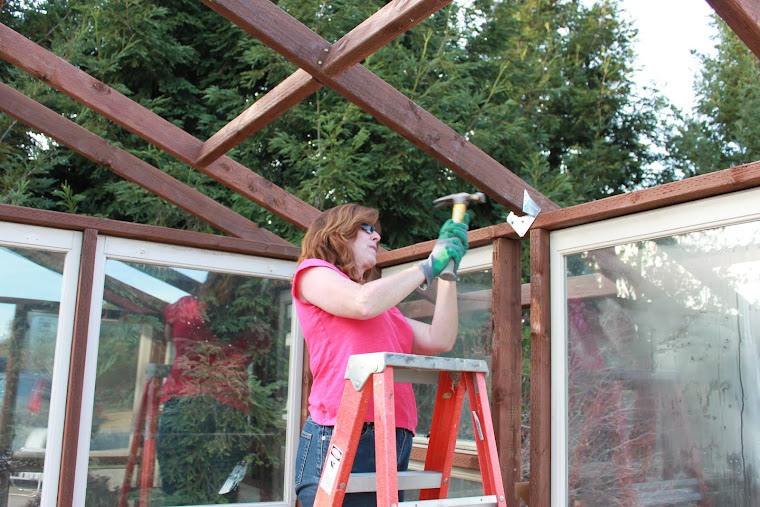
{"points": [[77, 368], [697, 187], [477, 237], [85, 89], [734, 179], [594, 285], [129, 166], [506, 363], [393, 19], [276, 102], [743, 17], [60, 220], [540, 370], [296, 42]]}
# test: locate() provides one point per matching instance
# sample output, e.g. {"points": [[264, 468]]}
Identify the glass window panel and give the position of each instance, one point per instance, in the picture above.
{"points": [[473, 342], [663, 372], [29, 311], [203, 356]]}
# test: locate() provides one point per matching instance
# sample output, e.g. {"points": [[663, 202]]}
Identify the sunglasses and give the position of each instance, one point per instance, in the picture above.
{"points": [[369, 229]]}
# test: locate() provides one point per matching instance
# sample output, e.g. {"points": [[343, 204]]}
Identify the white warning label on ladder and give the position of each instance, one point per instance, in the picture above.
{"points": [[331, 469]]}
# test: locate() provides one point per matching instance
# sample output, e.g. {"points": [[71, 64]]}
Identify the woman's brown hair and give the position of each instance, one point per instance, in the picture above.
{"points": [[329, 236]]}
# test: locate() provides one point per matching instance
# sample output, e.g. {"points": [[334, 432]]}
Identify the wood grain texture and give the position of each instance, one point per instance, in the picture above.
{"points": [[88, 91], [77, 368], [506, 369], [296, 42], [390, 21], [743, 17], [57, 219], [540, 369], [129, 166]]}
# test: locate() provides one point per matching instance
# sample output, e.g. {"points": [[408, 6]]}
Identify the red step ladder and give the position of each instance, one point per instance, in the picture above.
{"points": [[144, 434], [454, 377]]}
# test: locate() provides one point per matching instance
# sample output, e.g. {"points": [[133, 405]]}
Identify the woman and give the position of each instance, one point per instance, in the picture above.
{"points": [[343, 313]]}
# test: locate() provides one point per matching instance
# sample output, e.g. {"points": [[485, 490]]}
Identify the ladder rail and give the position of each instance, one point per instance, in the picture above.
{"points": [[385, 437], [456, 377]]}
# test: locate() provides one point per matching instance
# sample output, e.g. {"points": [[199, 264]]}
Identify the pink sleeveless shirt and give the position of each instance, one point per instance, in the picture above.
{"points": [[331, 340]]}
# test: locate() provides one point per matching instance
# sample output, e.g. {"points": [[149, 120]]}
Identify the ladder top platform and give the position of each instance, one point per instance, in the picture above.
{"points": [[362, 366]]}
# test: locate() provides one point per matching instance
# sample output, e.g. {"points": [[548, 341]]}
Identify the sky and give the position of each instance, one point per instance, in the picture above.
{"points": [[668, 31]]}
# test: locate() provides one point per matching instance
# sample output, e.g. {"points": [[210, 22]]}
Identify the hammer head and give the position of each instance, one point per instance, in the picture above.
{"points": [[460, 198]]}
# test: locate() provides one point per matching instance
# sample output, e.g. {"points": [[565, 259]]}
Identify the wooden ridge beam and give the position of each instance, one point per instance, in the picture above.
{"points": [[88, 91], [154, 233], [386, 24], [743, 17], [128, 166], [296, 42]]}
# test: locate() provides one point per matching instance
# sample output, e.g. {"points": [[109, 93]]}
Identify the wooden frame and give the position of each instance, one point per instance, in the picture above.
{"points": [[337, 66]]}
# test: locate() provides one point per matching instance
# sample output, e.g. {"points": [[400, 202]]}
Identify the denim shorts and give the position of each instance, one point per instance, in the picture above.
{"points": [[312, 450]]}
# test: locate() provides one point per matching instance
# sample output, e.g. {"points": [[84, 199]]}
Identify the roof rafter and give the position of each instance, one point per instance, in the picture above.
{"points": [[129, 166], [85, 89], [299, 44], [376, 31], [743, 17]]}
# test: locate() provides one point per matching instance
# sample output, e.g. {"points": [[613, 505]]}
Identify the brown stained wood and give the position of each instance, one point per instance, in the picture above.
{"points": [[392, 20], [462, 459], [57, 219], [272, 105], [476, 238], [743, 17], [434, 137], [540, 369], [77, 367], [506, 364], [734, 179], [300, 45], [130, 294], [522, 489], [697, 187], [582, 287], [85, 89], [129, 166]]}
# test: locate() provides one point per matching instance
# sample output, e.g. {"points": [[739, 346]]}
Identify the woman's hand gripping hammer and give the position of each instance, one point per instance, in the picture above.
{"points": [[459, 204]]}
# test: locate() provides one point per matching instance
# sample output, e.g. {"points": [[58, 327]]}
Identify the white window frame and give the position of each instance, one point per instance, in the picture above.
{"points": [[193, 258], [704, 214], [70, 244]]}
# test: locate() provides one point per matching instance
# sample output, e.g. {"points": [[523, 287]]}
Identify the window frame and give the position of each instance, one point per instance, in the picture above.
{"points": [[70, 244], [139, 251], [698, 215]]}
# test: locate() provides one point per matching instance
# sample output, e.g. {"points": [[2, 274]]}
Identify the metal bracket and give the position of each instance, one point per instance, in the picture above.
{"points": [[523, 223]]}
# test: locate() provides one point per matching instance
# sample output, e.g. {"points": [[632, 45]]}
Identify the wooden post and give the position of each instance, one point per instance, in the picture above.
{"points": [[76, 370], [506, 353], [540, 370]]}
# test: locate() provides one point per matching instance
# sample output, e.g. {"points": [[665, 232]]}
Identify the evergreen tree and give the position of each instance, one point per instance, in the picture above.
{"points": [[542, 86], [724, 130]]}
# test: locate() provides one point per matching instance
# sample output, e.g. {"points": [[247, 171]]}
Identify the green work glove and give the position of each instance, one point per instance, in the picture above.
{"points": [[451, 244], [452, 229]]}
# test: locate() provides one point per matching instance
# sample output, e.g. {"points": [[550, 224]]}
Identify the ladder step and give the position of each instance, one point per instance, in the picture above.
{"points": [[470, 501], [364, 482]]}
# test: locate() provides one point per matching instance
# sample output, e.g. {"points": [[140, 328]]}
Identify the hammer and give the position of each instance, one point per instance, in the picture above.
{"points": [[459, 202]]}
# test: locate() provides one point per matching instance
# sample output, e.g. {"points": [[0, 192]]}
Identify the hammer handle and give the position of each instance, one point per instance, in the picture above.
{"points": [[457, 215]]}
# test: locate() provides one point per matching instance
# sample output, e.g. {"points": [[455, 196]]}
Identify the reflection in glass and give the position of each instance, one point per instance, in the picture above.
{"points": [[473, 342], [663, 371], [29, 305], [191, 392]]}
